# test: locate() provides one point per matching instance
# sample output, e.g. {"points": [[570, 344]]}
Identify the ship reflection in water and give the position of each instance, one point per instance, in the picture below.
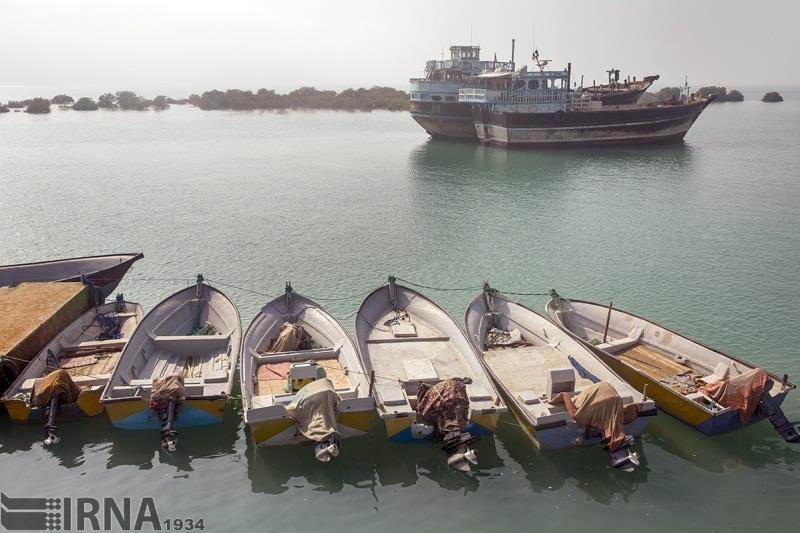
{"points": [[488, 166]]}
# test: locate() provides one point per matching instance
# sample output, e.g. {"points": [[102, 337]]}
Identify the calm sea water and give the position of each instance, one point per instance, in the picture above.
{"points": [[702, 236]]}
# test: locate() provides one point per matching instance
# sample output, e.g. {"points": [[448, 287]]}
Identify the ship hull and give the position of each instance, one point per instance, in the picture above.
{"points": [[445, 120], [620, 126]]}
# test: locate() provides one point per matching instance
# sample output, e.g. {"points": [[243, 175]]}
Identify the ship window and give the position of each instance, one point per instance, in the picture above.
{"points": [[519, 84], [437, 98], [450, 98], [533, 84]]}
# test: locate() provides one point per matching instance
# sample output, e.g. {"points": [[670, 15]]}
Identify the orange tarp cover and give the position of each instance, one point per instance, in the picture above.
{"points": [[600, 407], [742, 392]]}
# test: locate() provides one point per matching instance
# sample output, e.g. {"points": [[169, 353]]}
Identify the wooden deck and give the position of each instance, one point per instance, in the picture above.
{"points": [[650, 362], [274, 382], [104, 364]]}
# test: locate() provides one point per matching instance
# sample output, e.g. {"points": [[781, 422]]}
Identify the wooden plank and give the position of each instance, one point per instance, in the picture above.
{"points": [[650, 362]]}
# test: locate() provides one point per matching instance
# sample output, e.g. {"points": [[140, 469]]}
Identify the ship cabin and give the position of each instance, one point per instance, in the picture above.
{"points": [[522, 87], [443, 78]]}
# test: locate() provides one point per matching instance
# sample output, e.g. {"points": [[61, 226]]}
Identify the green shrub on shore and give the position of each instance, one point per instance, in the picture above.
{"points": [[85, 104], [385, 98], [38, 106], [62, 99], [4, 109]]}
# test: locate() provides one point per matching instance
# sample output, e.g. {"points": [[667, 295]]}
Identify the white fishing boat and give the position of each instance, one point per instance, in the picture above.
{"points": [[410, 345], [302, 380], [543, 374], [706, 388], [66, 378], [177, 369]]}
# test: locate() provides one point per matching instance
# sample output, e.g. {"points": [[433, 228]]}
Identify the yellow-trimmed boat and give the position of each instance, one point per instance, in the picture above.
{"points": [[88, 350], [670, 366], [291, 343], [195, 334], [407, 341]]}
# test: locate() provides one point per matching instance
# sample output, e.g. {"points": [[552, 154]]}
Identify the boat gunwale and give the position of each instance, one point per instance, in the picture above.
{"points": [[131, 256]]}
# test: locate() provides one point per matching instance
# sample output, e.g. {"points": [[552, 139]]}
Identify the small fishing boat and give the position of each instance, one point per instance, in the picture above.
{"points": [[543, 374], [177, 369], [302, 380], [710, 390], [415, 352], [66, 378], [104, 271]]}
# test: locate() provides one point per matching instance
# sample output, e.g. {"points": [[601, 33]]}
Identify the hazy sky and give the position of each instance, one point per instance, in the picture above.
{"points": [[335, 44]]}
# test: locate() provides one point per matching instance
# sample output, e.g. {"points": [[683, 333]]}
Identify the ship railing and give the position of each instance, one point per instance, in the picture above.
{"points": [[519, 96], [580, 101]]}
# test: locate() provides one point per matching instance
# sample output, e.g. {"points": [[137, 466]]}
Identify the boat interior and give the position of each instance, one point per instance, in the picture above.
{"points": [[275, 377], [678, 363], [172, 342], [414, 344], [82, 349], [533, 360]]}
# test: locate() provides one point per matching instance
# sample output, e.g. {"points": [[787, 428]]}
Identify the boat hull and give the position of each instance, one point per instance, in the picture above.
{"points": [[101, 270], [571, 435], [87, 404], [283, 431], [446, 120], [136, 414], [625, 125], [399, 429], [679, 407]]}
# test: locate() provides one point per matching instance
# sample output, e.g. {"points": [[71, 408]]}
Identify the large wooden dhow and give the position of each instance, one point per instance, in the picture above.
{"points": [[103, 271], [411, 345], [538, 109], [302, 380], [65, 380], [177, 370], [433, 99], [706, 388], [538, 367]]}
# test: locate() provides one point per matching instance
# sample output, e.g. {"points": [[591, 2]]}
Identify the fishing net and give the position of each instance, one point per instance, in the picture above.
{"points": [[445, 405]]}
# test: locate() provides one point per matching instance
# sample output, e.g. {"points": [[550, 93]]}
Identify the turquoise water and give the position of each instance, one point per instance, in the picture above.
{"points": [[701, 236]]}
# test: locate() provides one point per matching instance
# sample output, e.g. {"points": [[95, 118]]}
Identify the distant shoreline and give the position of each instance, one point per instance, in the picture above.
{"points": [[307, 98]]}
